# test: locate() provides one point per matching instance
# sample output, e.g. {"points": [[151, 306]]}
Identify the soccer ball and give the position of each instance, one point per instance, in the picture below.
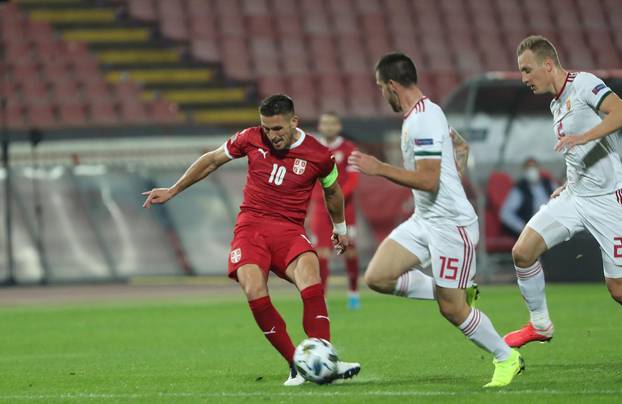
{"points": [[316, 360]]}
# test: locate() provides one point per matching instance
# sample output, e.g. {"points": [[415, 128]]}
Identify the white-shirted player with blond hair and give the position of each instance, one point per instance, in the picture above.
{"points": [[591, 199]]}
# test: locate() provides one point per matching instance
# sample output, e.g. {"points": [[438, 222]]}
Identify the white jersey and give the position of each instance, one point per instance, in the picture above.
{"points": [[593, 168], [425, 135]]}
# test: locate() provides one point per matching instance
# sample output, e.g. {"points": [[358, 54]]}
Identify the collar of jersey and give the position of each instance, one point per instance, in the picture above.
{"points": [[300, 140], [332, 145]]}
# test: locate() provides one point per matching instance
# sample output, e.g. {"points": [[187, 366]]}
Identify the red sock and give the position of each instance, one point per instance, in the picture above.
{"points": [[324, 272], [273, 326], [315, 316], [352, 268]]}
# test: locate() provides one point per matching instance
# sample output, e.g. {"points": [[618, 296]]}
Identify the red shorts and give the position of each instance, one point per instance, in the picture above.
{"points": [[270, 243], [322, 226]]}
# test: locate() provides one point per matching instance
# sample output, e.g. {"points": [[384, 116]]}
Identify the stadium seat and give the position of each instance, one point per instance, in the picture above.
{"points": [[163, 112], [143, 9], [499, 185], [133, 112], [41, 115], [102, 112], [72, 114]]}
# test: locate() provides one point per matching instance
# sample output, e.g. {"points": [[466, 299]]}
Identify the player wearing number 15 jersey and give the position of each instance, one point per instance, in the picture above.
{"points": [[284, 163], [443, 231]]}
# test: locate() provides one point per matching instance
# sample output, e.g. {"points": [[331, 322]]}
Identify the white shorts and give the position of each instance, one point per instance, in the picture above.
{"points": [[568, 214], [449, 249]]}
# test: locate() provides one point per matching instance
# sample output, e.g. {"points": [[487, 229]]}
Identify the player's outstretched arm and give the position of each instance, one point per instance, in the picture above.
{"points": [[334, 204], [461, 151], [612, 106], [425, 177], [201, 168]]}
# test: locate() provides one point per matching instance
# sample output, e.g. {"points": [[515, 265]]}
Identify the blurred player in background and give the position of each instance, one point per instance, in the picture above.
{"points": [[329, 127], [444, 229], [284, 163], [590, 200]]}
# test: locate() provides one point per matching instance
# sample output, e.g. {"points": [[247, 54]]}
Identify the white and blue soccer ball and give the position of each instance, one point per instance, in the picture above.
{"points": [[316, 360]]}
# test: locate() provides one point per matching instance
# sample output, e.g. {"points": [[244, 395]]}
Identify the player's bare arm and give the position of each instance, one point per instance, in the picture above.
{"points": [[558, 191], [425, 177], [612, 107], [334, 204], [201, 168], [461, 151]]}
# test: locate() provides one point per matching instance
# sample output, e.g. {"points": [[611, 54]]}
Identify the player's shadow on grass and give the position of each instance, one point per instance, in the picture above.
{"points": [[443, 381]]}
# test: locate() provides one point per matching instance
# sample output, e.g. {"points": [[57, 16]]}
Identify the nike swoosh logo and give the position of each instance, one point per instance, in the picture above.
{"points": [[320, 317], [272, 331]]}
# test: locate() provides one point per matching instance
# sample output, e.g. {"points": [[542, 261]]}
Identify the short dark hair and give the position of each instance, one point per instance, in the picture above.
{"points": [[276, 104], [397, 67], [541, 48]]}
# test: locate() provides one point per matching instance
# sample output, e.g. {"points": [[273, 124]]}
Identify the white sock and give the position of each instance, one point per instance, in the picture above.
{"points": [[479, 329], [415, 285], [531, 284]]}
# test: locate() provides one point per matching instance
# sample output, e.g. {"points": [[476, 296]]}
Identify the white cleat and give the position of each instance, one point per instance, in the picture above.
{"points": [[294, 379], [347, 370]]}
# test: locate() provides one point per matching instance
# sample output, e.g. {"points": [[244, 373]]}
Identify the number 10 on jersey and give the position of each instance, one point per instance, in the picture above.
{"points": [[277, 175]]}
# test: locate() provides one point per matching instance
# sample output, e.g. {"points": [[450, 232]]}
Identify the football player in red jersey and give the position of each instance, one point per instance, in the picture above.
{"points": [[329, 126], [284, 163]]}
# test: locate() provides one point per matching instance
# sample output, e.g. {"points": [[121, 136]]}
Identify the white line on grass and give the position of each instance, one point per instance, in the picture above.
{"points": [[116, 396]]}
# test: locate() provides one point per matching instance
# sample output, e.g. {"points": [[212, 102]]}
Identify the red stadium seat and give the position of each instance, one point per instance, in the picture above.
{"points": [[14, 115], [272, 85], [497, 189], [163, 112], [143, 9], [255, 7], [200, 8], [284, 8], [133, 112], [102, 112], [40, 115], [206, 50], [72, 114], [63, 88]]}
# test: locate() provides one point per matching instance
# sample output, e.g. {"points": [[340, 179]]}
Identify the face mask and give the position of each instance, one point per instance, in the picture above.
{"points": [[532, 175]]}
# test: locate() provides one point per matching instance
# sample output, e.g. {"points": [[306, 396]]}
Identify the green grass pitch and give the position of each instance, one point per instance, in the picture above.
{"points": [[210, 350]]}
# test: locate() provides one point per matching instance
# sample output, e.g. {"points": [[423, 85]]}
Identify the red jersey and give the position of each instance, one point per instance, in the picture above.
{"points": [[348, 178], [279, 182]]}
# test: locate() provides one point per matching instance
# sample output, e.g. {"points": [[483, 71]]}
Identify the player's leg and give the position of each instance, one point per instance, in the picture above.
{"points": [[554, 223], [391, 270], [603, 219], [304, 272], [253, 281], [323, 255], [351, 257], [454, 266], [352, 272], [613, 272]]}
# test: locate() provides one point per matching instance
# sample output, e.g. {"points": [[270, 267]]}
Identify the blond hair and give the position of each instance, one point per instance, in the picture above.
{"points": [[541, 48]]}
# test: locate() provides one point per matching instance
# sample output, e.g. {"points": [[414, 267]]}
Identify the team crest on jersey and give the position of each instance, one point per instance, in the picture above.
{"points": [[299, 166], [236, 256]]}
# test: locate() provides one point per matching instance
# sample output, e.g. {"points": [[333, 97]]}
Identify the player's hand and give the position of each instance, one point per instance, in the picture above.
{"points": [[364, 163], [558, 191], [157, 196], [340, 242], [565, 143]]}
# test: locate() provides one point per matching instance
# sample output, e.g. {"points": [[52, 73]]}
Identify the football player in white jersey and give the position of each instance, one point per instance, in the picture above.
{"points": [[443, 231], [591, 199]]}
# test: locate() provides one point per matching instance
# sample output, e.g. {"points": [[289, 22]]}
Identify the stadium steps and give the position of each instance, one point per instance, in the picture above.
{"points": [[135, 50]]}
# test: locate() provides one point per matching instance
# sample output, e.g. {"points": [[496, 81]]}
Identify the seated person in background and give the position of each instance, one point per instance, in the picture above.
{"points": [[526, 197]]}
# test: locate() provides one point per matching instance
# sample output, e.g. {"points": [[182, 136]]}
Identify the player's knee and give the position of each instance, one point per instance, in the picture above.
{"points": [[522, 255], [255, 290], [616, 292], [375, 280], [452, 311]]}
